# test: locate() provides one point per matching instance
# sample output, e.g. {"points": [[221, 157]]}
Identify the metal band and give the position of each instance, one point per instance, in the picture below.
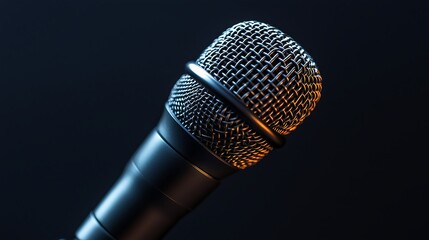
{"points": [[208, 81]]}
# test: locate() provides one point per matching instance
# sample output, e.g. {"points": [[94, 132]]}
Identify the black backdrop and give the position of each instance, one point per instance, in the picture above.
{"points": [[83, 82]]}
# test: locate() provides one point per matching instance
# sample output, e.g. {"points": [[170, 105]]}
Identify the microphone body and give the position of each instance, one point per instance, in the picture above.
{"points": [[166, 178], [249, 89]]}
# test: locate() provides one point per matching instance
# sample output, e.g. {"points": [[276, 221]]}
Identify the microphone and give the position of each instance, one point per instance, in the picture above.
{"points": [[249, 89]]}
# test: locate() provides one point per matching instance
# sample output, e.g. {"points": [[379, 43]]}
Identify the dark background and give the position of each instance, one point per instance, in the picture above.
{"points": [[83, 82]]}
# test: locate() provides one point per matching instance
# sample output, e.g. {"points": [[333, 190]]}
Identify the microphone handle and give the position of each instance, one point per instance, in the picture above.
{"points": [[157, 188]]}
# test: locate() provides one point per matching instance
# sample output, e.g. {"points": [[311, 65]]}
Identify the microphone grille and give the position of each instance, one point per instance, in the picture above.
{"points": [[271, 74]]}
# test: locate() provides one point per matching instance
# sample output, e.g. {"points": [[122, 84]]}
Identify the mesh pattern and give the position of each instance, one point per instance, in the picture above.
{"points": [[276, 79]]}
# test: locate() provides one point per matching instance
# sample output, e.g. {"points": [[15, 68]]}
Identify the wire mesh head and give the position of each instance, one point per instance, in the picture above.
{"points": [[271, 74]]}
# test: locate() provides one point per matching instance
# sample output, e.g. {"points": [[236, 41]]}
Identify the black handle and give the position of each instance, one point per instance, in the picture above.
{"points": [[157, 188]]}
